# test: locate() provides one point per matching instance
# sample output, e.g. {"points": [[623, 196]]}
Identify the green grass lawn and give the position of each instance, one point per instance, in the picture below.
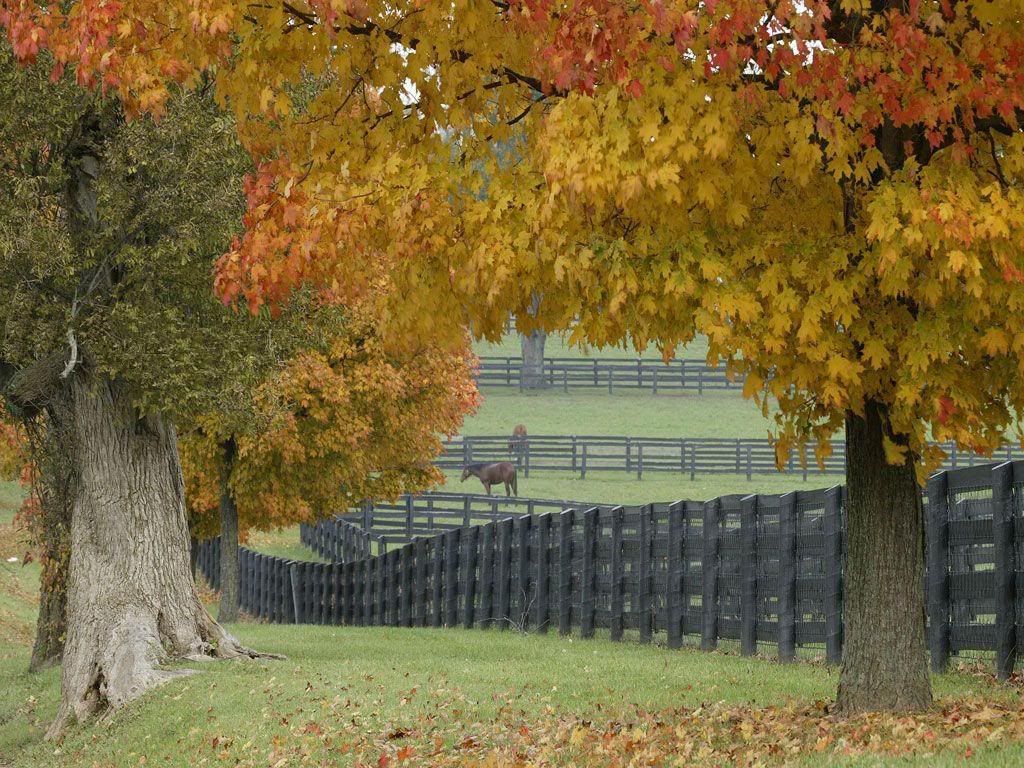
{"points": [[383, 696], [584, 412], [283, 542], [383, 685], [622, 488]]}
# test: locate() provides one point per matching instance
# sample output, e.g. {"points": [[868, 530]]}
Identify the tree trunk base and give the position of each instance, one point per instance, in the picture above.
{"points": [[885, 666], [129, 661], [132, 605]]}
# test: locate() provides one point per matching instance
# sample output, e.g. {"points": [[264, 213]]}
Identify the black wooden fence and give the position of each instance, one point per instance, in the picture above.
{"points": [[612, 374], [759, 569], [683, 455]]}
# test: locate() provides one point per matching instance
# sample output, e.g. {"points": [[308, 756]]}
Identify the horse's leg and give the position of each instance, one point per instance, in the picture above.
{"points": [[487, 487]]}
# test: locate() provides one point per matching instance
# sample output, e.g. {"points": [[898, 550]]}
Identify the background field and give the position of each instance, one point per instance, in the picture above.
{"points": [[557, 345]]}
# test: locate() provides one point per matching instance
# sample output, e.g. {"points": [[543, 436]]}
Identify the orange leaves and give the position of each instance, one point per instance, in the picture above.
{"points": [[360, 420], [715, 734]]}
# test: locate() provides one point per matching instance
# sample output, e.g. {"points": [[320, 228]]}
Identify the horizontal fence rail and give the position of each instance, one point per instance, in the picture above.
{"points": [[608, 373], [762, 570], [691, 456]]}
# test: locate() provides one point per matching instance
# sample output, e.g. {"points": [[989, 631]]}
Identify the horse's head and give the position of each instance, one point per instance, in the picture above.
{"points": [[465, 473]]}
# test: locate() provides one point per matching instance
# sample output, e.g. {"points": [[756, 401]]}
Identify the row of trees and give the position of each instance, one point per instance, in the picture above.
{"points": [[828, 190]]}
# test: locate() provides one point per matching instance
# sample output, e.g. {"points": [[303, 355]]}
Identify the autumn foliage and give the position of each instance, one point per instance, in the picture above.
{"points": [[330, 429], [827, 191]]}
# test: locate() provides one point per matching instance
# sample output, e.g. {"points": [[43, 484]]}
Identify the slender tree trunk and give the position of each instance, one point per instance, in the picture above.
{"points": [[533, 359], [884, 658], [132, 604], [54, 486], [55, 552], [228, 541], [193, 555]]}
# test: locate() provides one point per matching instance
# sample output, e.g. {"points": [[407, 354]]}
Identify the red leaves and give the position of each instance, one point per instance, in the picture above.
{"points": [[947, 409]]}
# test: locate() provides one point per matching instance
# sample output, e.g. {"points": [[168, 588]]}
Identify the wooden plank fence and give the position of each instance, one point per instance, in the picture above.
{"points": [[612, 374], [763, 571], [682, 455]]}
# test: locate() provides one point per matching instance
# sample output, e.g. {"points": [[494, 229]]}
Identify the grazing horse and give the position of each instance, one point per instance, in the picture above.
{"points": [[492, 474], [517, 443]]}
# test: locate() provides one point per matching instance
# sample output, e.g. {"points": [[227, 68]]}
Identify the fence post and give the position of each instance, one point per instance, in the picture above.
{"points": [[565, 522], [589, 574], [640, 461], [367, 515], [410, 513], [543, 556], [674, 576], [437, 580], [467, 511], [358, 581], [1005, 569], [833, 574], [486, 576], [471, 542], [419, 596], [609, 380], [383, 587], [644, 573], [709, 566], [405, 586], [293, 573], [938, 570], [583, 468], [451, 577], [504, 533], [748, 575], [372, 564], [574, 454], [618, 575], [522, 527], [655, 382], [787, 577], [750, 470]]}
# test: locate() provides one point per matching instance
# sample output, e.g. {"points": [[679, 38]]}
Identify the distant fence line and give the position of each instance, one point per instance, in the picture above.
{"points": [[691, 456], [690, 375], [758, 569]]}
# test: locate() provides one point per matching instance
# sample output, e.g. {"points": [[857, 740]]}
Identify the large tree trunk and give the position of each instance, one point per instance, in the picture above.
{"points": [[132, 603], [228, 541], [884, 661], [532, 375]]}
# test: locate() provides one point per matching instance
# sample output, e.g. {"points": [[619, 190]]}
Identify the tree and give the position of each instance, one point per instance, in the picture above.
{"points": [[829, 191], [532, 374], [107, 237], [331, 428]]}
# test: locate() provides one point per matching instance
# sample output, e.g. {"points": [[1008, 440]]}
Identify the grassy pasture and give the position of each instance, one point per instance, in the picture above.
{"points": [[392, 697]]}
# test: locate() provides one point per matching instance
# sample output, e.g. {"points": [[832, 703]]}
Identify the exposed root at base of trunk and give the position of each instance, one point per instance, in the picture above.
{"points": [[134, 660]]}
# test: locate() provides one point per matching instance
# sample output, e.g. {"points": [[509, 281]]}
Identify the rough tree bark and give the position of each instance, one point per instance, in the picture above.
{"points": [[228, 611], [884, 660], [132, 604], [533, 359]]}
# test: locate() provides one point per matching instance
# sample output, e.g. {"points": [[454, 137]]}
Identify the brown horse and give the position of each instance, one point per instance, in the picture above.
{"points": [[517, 444], [492, 474]]}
